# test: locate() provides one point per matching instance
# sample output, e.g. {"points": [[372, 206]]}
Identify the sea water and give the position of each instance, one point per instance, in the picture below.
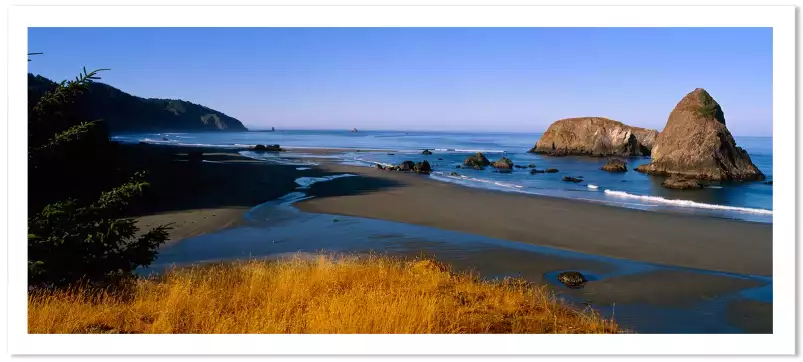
{"points": [[750, 201]]}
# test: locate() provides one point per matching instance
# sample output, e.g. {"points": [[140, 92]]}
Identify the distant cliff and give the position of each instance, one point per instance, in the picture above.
{"points": [[127, 113]]}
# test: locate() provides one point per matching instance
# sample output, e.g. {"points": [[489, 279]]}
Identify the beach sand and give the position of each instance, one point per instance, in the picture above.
{"points": [[672, 239], [204, 197]]}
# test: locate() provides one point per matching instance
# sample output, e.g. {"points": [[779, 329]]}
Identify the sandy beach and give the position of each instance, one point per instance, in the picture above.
{"points": [[681, 240], [212, 196], [201, 198]]}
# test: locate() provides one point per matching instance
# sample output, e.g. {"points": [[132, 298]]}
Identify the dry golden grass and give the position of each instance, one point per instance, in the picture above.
{"points": [[324, 295]]}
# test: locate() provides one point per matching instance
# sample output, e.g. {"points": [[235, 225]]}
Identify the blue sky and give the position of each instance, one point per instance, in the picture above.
{"points": [[494, 79]]}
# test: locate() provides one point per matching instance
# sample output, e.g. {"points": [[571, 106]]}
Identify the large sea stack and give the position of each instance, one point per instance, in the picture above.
{"points": [[595, 136], [696, 144]]}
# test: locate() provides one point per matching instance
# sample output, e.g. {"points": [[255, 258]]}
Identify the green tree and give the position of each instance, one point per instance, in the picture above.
{"points": [[77, 196]]}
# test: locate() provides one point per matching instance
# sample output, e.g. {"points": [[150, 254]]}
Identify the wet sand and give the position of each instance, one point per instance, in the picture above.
{"points": [[671, 239], [210, 204]]}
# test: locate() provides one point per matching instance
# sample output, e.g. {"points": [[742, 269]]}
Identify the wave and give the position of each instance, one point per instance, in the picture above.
{"points": [[446, 177], [686, 203], [460, 150], [593, 187], [306, 182]]}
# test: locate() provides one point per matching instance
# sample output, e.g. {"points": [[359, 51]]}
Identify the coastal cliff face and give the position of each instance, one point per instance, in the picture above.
{"points": [[595, 136], [696, 143], [124, 112]]}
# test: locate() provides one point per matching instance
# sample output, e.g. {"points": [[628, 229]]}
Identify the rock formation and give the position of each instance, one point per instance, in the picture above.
{"points": [[477, 159], [503, 163], [595, 136], [615, 165], [572, 279], [681, 183], [696, 143]]}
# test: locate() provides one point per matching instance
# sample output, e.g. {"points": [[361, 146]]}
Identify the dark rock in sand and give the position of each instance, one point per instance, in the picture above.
{"points": [[681, 183], [571, 179], [268, 148], [426, 152], [572, 279], [380, 167], [477, 159], [532, 165], [551, 170], [595, 136], [406, 166], [615, 165], [422, 167], [503, 163], [695, 143]]}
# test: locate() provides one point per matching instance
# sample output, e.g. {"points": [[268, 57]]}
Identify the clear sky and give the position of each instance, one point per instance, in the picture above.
{"points": [[495, 79]]}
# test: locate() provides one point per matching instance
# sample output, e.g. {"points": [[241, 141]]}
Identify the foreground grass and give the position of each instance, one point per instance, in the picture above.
{"points": [[324, 295]]}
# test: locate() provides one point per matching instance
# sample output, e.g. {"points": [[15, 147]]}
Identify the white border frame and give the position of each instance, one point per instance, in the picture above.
{"points": [[780, 18]]}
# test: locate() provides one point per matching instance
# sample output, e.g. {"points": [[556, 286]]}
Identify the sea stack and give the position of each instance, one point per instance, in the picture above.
{"points": [[695, 143], [595, 136]]}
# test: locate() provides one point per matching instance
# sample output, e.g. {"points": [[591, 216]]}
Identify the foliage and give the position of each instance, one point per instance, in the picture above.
{"points": [[77, 196], [709, 108]]}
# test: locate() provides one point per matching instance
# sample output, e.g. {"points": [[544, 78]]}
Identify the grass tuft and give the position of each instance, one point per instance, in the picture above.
{"points": [[329, 294]]}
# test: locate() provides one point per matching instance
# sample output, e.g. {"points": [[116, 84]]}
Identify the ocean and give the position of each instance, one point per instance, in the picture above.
{"points": [[750, 201]]}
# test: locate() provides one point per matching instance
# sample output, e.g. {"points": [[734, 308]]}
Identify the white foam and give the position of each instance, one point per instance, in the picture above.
{"points": [[466, 150], [303, 168], [593, 187], [686, 203], [306, 182], [445, 177]]}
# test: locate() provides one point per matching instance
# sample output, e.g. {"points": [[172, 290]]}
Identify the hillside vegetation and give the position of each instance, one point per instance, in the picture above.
{"points": [[124, 112]]}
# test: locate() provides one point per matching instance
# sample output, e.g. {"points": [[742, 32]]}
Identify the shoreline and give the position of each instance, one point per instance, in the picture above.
{"points": [[699, 242], [693, 241]]}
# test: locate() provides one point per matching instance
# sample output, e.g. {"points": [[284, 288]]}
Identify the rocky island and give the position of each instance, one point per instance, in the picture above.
{"points": [[696, 143], [595, 136]]}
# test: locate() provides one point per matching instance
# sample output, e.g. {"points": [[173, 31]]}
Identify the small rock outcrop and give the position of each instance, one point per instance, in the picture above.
{"points": [[695, 143], [426, 152], [534, 171], [644, 168], [422, 167], [503, 163], [572, 279], [477, 159], [269, 148], [406, 166], [595, 136], [615, 165], [551, 170], [681, 183], [572, 179]]}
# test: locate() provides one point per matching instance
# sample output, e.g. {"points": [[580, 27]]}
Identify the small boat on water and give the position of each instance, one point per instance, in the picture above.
{"points": [[353, 130]]}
